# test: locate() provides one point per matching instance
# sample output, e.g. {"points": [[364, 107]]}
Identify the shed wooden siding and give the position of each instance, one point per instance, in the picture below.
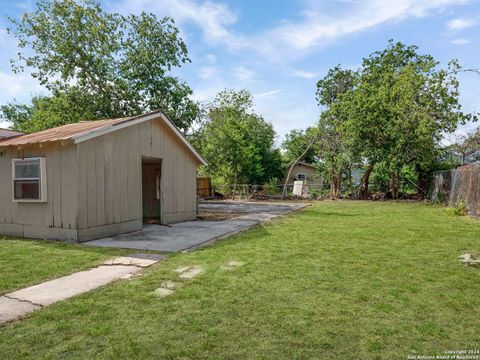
{"points": [[313, 178], [58, 216], [110, 176]]}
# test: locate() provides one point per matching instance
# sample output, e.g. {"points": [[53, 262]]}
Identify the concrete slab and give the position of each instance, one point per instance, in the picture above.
{"points": [[191, 234], [177, 237], [13, 309], [250, 207], [141, 260], [65, 287]]}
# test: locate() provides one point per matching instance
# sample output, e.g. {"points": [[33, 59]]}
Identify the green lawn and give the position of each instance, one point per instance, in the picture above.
{"points": [[28, 262], [339, 280]]}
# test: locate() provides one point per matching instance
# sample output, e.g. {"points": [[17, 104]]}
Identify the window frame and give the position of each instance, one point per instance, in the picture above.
{"points": [[42, 180], [304, 176]]}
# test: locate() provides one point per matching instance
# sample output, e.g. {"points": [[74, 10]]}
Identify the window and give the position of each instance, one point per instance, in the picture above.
{"points": [[29, 180], [301, 176]]}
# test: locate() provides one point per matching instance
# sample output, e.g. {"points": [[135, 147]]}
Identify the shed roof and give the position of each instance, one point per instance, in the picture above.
{"points": [[7, 133], [60, 133], [86, 130]]}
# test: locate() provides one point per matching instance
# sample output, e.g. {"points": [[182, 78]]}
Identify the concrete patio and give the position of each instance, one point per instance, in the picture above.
{"points": [[192, 234]]}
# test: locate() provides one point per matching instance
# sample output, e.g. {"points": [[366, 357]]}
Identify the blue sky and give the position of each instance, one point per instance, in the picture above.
{"points": [[279, 49]]}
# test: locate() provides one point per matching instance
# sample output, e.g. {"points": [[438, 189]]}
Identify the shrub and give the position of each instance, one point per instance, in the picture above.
{"points": [[314, 193], [460, 209], [271, 188]]}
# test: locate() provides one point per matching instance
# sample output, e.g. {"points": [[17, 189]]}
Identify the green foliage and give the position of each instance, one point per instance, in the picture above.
{"points": [[271, 187], [402, 106], [295, 143], [237, 143], [460, 209], [334, 148], [380, 177], [314, 192], [29, 262], [107, 64], [394, 111], [50, 111]]}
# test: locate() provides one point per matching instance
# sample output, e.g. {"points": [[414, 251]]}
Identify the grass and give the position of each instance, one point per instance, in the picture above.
{"points": [[339, 280], [29, 262]]}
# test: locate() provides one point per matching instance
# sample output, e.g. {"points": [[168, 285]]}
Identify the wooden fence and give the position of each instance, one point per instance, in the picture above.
{"points": [[204, 186]]}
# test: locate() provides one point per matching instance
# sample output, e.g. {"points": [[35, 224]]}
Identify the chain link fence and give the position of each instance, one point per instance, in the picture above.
{"points": [[266, 191]]}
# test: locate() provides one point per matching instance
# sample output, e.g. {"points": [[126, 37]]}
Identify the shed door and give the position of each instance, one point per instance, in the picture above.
{"points": [[151, 192]]}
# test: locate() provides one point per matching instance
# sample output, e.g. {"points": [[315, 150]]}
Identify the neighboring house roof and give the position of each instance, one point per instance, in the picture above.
{"points": [[469, 158], [86, 130], [473, 157], [6, 133]]}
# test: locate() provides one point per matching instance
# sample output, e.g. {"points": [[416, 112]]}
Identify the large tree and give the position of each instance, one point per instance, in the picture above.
{"points": [[400, 109], [98, 65], [237, 143], [334, 150]]}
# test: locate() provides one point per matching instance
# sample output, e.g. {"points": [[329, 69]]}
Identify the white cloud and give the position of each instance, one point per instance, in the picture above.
{"points": [[4, 124], [304, 74], [460, 24], [243, 74], [267, 94], [18, 86], [207, 72], [319, 27], [320, 23], [213, 18], [460, 41], [211, 59]]}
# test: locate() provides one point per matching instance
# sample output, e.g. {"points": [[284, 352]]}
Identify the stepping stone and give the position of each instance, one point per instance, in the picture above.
{"points": [[162, 292], [141, 260], [182, 269], [12, 309], [231, 265], [169, 284], [469, 259], [189, 272], [235, 263]]}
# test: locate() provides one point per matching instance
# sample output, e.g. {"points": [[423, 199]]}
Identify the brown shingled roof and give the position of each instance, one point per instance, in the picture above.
{"points": [[61, 133]]}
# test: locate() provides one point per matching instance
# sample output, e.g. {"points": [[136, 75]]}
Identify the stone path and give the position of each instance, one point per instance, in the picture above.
{"points": [[19, 303], [186, 273]]}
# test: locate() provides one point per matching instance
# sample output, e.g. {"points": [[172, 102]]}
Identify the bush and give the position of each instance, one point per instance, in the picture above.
{"points": [[271, 188], [314, 193], [460, 209]]}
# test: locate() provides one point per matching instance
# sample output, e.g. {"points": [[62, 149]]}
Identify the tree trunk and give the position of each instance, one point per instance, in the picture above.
{"points": [[335, 186], [422, 181], [235, 185], [394, 184], [363, 189], [350, 183]]}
